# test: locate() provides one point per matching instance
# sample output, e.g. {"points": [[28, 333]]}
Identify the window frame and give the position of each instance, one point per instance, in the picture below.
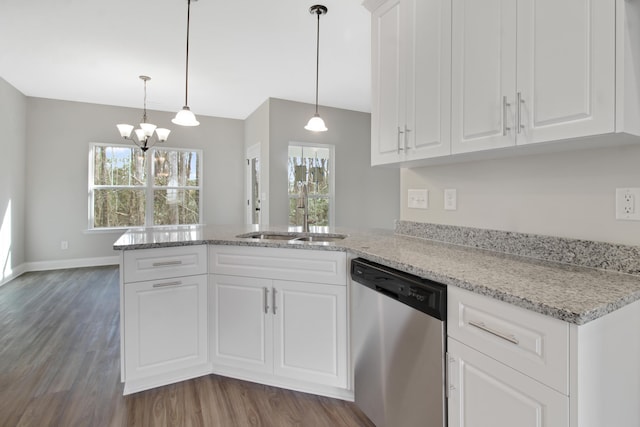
{"points": [[332, 179], [148, 188]]}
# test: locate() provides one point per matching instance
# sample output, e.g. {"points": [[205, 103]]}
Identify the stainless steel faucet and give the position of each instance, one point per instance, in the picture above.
{"points": [[303, 202]]}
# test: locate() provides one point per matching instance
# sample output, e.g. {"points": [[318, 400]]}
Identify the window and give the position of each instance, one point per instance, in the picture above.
{"points": [[121, 194], [311, 165]]}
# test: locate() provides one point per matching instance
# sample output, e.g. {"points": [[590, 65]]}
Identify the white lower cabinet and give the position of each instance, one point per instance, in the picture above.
{"points": [[241, 324], [310, 332], [484, 392], [166, 331], [508, 366], [292, 330], [287, 333]]}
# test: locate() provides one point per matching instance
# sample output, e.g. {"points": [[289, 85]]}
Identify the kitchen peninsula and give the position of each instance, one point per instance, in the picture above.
{"points": [[596, 310]]}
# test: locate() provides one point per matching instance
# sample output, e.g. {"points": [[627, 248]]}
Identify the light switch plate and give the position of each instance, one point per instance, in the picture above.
{"points": [[418, 199], [450, 199]]}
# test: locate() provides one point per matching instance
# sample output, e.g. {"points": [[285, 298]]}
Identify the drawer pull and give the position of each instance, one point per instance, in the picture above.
{"points": [[480, 325], [165, 263], [166, 284]]}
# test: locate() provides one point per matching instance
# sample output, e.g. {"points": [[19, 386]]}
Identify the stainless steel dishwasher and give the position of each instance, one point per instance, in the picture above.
{"points": [[399, 338]]}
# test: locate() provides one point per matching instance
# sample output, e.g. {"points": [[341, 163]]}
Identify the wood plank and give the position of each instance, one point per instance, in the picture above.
{"points": [[60, 366]]}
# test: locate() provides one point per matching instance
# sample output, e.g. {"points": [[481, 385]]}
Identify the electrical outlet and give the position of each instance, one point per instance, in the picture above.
{"points": [[450, 199], [627, 204], [418, 199]]}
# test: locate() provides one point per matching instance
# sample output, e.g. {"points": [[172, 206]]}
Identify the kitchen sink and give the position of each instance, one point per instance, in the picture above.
{"points": [[293, 237], [268, 236], [320, 238]]}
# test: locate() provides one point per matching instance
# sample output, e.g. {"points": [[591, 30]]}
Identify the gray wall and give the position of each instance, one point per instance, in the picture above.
{"points": [[13, 145], [58, 137], [365, 196], [569, 194]]}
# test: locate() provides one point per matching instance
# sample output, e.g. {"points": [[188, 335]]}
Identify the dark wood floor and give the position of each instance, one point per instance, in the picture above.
{"points": [[60, 366]]}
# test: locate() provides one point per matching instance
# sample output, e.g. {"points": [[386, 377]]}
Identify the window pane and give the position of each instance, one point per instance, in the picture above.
{"points": [[173, 168], [118, 208], [174, 206], [118, 166], [311, 165], [318, 212]]}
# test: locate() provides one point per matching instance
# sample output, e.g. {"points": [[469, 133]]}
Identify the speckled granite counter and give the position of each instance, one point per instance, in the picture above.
{"points": [[571, 293]]}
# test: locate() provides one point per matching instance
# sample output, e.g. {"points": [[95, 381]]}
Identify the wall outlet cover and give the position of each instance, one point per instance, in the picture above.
{"points": [[628, 204]]}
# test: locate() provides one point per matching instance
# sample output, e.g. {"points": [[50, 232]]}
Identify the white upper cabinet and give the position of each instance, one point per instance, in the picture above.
{"points": [[566, 69], [531, 71], [469, 76], [483, 74], [388, 78], [411, 46]]}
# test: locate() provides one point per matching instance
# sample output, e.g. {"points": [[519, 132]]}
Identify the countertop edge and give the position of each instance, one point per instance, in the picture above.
{"points": [[577, 318]]}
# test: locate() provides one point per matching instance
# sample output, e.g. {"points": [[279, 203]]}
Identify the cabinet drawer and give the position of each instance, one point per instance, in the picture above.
{"points": [[164, 263], [280, 263], [534, 344]]}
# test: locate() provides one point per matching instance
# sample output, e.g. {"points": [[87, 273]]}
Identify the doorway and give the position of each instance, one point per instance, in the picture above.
{"points": [[252, 180]]}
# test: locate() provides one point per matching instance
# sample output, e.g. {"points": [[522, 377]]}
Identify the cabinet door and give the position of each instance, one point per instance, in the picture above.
{"points": [[484, 392], [483, 74], [241, 323], [428, 83], [388, 80], [310, 334], [566, 68], [166, 326]]}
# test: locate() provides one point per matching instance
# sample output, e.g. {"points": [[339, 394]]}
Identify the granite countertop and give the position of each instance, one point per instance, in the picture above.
{"points": [[567, 292]]}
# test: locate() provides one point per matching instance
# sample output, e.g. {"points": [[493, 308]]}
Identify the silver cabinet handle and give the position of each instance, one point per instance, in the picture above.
{"points": [[273, 301], [400, 132], [519, 102], [165, 263], [406, 134], [166, 284], [480, 325], [505, 105], [265, 300], [450, 366]]}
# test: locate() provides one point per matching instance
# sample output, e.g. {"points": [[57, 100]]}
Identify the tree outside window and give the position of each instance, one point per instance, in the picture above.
{"points": [[121, 195], [311, 165]]}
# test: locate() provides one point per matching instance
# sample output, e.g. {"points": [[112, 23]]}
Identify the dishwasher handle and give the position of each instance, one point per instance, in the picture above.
{"points": [[387, 292]]}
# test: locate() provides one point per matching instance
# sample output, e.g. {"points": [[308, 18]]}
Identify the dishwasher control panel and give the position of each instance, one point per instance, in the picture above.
{"points": [[422, 294]]}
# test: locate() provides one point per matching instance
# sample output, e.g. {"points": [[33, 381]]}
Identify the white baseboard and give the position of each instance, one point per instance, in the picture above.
{"points": [[22, 268], [71, 263]]}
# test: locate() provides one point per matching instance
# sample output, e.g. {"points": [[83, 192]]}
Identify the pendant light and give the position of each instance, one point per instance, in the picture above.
{"points": [[146, 130], [185, 117], [316, 124]]}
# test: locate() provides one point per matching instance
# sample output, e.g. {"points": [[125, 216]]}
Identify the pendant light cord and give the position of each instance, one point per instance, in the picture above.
{"points": [[144, 111], [317, 57], [186, 79]]}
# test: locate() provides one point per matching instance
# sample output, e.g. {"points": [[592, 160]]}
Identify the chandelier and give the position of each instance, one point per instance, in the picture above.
{"points": [[143, 135]]}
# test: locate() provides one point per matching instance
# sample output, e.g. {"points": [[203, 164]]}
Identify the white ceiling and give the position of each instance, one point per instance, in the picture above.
{"points": [[241, 52]]}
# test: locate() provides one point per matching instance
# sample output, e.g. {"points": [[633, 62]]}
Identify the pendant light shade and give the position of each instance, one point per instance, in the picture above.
{"points": [[185, 117], [316, 124]]}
